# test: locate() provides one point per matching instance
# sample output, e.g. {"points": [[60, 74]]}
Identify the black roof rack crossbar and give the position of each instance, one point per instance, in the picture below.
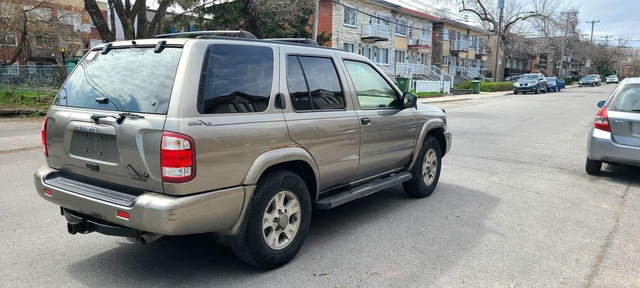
{"points": [[295, 40], [235, 33]]}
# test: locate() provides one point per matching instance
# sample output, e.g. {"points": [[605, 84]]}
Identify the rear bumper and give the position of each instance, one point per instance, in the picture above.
{"points": [[601, 147], [213, 211]]}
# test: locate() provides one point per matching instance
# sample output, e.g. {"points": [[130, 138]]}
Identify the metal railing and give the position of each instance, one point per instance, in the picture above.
{"points": [[460, 45], [38, 79], [422, 40], [376, 30]]}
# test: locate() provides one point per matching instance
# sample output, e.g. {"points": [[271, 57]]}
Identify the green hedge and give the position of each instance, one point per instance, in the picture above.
{"points": [[488, 86], [568, 80]]}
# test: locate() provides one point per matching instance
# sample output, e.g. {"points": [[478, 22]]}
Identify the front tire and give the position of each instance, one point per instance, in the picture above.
{"points": [[593, 167], [278, 221], [537, 89], [426, 170]]}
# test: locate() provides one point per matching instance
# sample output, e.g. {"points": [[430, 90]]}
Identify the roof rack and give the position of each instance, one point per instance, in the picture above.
{"points": [[295, 40], [198, 34]]}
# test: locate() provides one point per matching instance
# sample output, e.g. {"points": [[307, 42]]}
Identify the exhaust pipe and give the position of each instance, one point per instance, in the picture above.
{"points": [[147, 238]]}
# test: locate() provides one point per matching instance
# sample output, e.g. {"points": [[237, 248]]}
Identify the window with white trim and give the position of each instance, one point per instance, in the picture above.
{"points": [[401, 27], [401, 56], [350, 16], [349, 47], [383, 56], [12, 69], [445, 34], [384, 20]]}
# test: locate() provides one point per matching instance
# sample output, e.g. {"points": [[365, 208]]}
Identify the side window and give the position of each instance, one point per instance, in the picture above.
{"points": [[313, 84], [238, 79], [372, 90]]}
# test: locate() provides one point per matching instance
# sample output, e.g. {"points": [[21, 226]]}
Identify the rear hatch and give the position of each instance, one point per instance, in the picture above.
{"points": [[106, 122], [624, 115]]}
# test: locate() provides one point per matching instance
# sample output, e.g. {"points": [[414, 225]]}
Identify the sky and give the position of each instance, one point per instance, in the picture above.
{"points": [[618, 18]]}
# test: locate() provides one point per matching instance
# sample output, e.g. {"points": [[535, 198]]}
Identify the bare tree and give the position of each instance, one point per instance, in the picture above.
{"points": [[26, 28], [132, 17]]}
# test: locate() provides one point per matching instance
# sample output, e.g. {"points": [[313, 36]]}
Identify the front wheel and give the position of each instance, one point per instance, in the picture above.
{"points": [[426, 170], [278, 221], [537, 90], [515, 92]]}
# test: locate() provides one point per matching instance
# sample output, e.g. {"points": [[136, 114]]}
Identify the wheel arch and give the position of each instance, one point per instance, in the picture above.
{"points": [[435, 128]]}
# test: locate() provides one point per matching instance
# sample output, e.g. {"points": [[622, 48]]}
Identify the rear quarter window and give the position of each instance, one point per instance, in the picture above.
{"points": [[236, 79]]}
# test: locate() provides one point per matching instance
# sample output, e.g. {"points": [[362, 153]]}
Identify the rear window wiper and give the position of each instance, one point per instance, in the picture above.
{"points": [[119, 120]]}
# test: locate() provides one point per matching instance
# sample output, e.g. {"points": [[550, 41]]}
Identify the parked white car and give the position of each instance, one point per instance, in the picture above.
{"points": [[612, 79]]}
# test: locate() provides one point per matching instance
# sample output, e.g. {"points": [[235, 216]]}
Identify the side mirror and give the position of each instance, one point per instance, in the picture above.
{"points": [[601, 103], [409, 100]]}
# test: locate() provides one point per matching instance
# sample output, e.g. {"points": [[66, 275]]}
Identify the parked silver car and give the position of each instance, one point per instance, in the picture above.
{"points": [[240, 137], [615, 137]]}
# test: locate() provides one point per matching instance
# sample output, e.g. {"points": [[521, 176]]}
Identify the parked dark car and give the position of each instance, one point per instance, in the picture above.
{"points": [[512, 78], [534, 82], [555, 84], [587, 81]]}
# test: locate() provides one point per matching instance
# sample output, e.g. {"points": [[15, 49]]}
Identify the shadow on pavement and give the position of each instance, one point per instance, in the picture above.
{"points": [[434, 232], [621, 173]]}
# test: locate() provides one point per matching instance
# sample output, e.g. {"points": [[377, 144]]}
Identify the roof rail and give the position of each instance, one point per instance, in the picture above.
{"points": [[229, 33], [295, 40]]}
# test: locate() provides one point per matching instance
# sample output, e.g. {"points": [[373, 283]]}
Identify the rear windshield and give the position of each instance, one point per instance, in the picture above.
{"points": [[627, 99], [129, 79]]}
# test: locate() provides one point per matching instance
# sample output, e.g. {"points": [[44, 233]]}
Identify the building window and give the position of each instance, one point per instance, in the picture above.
{"points": [[445, 34], [349, 47], [383, 56], [350, 16], [401, 27], [446, 60], [426, 30], [384, 20], [12, 69], [8, 39], [401, 56]]}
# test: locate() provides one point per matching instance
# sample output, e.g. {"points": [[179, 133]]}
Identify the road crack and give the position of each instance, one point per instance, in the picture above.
{"points": [[608, 240], [11, 151]]}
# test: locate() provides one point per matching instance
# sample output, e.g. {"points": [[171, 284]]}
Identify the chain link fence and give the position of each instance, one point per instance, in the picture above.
{"points": [[40, 80]]}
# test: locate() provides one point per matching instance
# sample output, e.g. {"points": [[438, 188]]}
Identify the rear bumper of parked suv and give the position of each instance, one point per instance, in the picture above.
{"points": [[601, 147], [149, 212]]}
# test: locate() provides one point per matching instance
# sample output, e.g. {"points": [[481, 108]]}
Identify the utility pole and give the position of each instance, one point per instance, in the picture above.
{"points": [[606, 39], [620, 56], [593, 22], [498, 39], [314, 33], [564, 42]]}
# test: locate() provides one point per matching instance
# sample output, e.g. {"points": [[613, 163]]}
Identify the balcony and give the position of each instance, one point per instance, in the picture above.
{"points": [[375, 32], [421, 41], [483, 50], [460, 45]]}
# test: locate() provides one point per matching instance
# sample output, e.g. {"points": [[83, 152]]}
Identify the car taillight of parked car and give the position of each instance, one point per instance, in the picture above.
{"points": [[177, 157], [602, 121], [43, 133]]}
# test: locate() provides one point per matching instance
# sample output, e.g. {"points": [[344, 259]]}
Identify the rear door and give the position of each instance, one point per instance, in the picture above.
{"points": [[624, 116], [107, 120]]}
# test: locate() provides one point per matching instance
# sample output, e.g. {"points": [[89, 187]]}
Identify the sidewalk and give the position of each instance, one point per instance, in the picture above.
{"points": [[450, 98]]}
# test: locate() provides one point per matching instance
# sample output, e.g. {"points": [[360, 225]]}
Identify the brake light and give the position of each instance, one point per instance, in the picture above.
{"points": [[602, 121], [177, 157], [43, 133]]}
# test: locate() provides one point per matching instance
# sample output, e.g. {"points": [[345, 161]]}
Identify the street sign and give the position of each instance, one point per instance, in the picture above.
{"points": [[500, 4], [588, 64]]}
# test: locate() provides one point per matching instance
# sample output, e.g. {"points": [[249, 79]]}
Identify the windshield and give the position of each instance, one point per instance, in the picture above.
{"points": [[529, 77], [586, 78], [551, 79], [130, 79]]}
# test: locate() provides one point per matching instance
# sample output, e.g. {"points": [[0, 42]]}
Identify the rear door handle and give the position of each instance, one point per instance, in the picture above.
{"points": [[365, 121]]}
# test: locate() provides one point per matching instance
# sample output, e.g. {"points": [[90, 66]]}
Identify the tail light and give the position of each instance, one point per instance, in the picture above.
{"points": [[602, 121], [43, 133], [177, 158]]}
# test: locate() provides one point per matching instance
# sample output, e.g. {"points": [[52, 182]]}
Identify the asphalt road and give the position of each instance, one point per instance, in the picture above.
{"points": [[514, 208]]}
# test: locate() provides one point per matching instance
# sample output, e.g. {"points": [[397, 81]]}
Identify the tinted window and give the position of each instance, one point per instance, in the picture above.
{"points": [[297, 85], [238, 79], [372, 90], [318, 77], [130, 79], [627, 100]]}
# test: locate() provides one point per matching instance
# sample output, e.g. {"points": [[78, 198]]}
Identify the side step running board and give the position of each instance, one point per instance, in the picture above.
{"points": [[362, 190]]}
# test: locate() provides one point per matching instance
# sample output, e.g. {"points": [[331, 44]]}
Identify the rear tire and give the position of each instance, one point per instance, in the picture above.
{"points": [[426, 170], [593, 167], [278, 221]]}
